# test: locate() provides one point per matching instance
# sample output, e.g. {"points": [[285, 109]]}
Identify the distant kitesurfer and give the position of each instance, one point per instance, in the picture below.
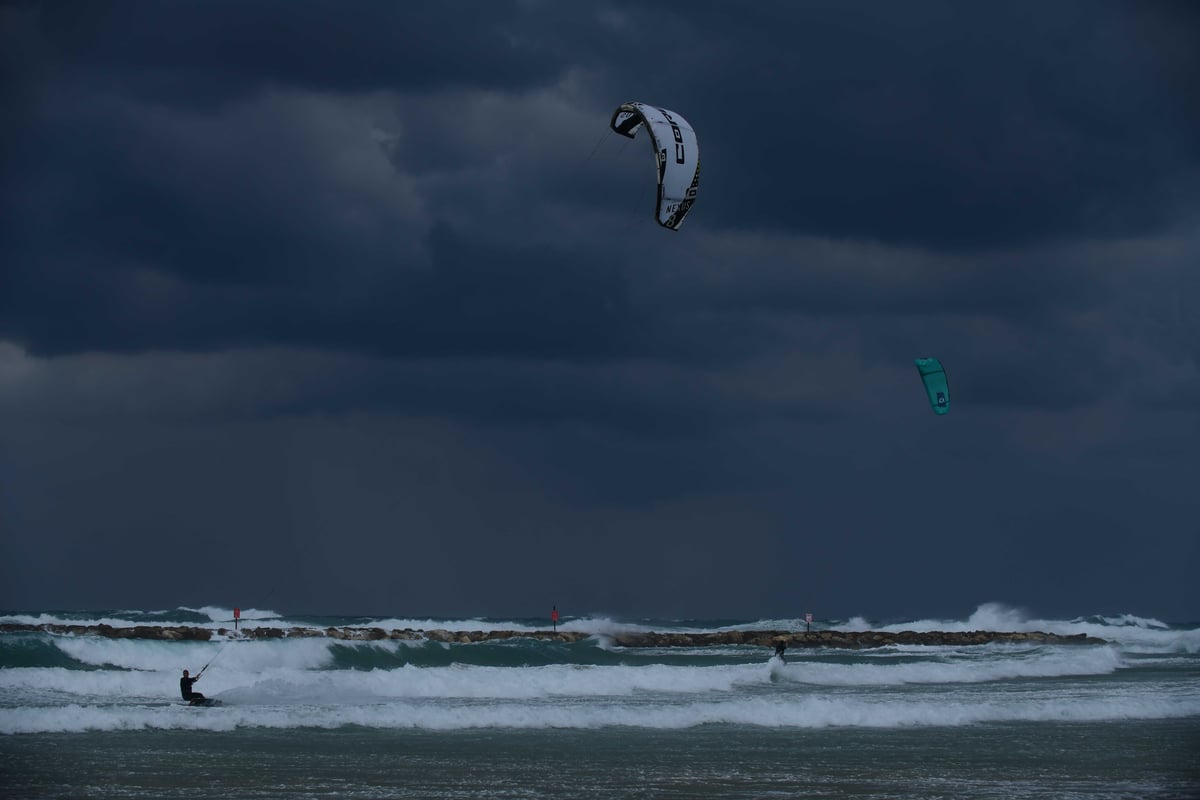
{"points": [[554, 618], [780, 648], [185, 689]]}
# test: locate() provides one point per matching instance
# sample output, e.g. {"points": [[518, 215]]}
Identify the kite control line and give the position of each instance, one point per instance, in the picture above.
{"points": [[214, 658], [237, 615]]}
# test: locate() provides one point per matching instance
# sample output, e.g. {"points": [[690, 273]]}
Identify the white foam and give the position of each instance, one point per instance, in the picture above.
{"points": [[252, 655], [992, 664], [465, 625], [1140, 634], [224, 616], [53, 619], [289, 671], [791, 712], [218, 617], [1127, 630], [588, 625]]}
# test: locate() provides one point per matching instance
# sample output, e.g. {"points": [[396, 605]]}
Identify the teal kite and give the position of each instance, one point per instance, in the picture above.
{"points": [[933, 375]]}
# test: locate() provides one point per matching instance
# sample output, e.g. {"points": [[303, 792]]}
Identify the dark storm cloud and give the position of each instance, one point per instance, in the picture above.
{"points": [[936, 125], [306, 280], [196, 51], [950, 125]]}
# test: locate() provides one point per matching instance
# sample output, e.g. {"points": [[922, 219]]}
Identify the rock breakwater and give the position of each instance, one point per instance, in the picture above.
{"points": [[853, 640]]}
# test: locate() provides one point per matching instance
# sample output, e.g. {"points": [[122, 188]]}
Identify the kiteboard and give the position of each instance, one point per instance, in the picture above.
{"points": [[207, 702]]}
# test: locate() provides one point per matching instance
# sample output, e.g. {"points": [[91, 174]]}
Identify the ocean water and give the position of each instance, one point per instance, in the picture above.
{"points": [[86, 716]]}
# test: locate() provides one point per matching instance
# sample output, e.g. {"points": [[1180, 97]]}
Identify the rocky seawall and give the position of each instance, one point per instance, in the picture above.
{"points": [[853, 640]]}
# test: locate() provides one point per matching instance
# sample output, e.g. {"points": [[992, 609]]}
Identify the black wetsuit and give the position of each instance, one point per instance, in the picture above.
{"points": [[185, 689]]}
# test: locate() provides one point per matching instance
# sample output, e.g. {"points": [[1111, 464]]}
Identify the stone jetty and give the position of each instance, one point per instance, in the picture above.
{"points": [[852, 640]]}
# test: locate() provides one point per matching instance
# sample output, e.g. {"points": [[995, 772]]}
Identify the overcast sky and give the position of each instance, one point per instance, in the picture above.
{"points": [[361, 308]]}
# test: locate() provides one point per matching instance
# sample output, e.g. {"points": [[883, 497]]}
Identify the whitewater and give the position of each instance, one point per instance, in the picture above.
{"points": [[318, 716]]}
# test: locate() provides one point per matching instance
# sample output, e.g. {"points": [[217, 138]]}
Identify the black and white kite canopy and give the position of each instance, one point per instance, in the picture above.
{"points": [[677, 153]]}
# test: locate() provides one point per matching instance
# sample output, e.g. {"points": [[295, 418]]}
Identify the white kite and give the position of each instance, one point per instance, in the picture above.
{"points": [[676, 151]]}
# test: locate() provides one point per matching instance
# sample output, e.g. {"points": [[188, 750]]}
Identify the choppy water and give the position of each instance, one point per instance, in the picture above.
{"points": [[316, 717]]}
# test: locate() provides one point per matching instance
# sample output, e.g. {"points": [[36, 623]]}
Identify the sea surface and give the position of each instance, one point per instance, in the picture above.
{"points": [[86, 716]]}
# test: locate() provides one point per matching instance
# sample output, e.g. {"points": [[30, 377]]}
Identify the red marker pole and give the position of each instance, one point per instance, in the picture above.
{"points": [[237, 614], [554, 618]]}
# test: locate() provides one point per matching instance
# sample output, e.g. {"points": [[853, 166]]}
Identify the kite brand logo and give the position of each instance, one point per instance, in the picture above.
{"points": [[677, 134], [941, 398]]}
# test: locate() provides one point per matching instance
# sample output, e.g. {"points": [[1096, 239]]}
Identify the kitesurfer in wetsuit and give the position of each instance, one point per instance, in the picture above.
{"points": [[185, 689], [780, 649]]}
